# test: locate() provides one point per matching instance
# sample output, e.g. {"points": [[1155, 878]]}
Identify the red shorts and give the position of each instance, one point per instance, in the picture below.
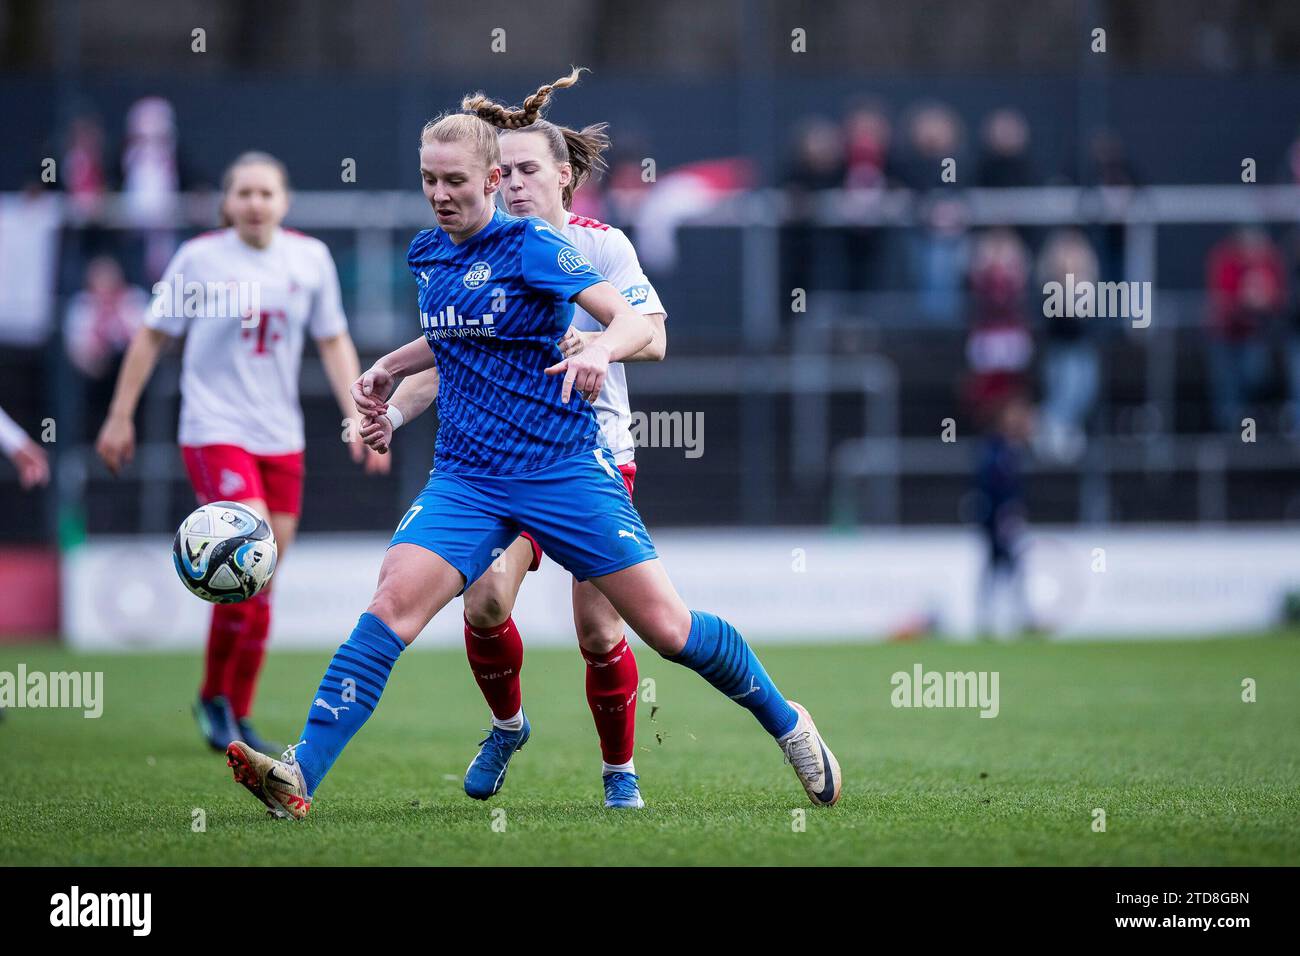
{"points": [[628, 472], [229, 473]]}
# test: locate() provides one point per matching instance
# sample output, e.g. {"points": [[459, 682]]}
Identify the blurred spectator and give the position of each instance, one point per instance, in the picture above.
{"points": [[97, 330], [812, 255], [151, 179], [102, 318], [937, 247], [1246, 282], [1108, 166], [1001, 512], [85, 180], [999, 348], [819, 160], [934, 134], [867, 133], [1004, 157], [1070, 355], [84, 174]]}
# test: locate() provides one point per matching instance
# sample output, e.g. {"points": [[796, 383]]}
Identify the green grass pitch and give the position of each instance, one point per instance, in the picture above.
{"points": [[1154, 733]]}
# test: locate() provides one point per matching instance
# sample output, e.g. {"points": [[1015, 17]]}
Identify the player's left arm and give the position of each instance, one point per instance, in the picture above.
{"points": [[658, 347], [627, 331], [576, 339]]}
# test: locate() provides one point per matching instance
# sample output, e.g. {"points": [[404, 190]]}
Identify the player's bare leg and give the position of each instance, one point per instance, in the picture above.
{"points": [[611, 691], [496, 656], [711, 647], [414, 584]]}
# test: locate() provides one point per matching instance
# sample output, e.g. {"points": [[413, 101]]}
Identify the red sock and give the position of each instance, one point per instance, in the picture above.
{"points": [[496, 656], [611, 693], [250, 652], [224, 635]]}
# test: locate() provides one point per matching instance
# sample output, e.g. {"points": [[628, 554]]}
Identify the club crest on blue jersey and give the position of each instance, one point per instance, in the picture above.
{"points": [[478, 273], [573, 262]]}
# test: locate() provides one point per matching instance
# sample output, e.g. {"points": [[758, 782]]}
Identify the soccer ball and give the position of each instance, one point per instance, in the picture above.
{"points": [[224, 552]]}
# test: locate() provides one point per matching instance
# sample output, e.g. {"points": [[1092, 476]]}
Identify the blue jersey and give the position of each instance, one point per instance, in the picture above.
{"points": [[492, 310]]}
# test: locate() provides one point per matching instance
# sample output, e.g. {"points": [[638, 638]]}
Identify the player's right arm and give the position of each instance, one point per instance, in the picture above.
{"points": [[412, 398], [372, 389], [116, 441]]}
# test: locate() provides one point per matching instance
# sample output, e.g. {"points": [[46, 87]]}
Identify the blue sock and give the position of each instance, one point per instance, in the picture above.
{"points": [[365, 660], [716, 651]]}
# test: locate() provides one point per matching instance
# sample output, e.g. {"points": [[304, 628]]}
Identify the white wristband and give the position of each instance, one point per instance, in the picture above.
{"points": [[394, 415]]}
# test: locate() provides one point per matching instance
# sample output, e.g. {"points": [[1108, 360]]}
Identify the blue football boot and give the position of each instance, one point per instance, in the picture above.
{"points": [[621, 791], [216, 722], [487, 771]]}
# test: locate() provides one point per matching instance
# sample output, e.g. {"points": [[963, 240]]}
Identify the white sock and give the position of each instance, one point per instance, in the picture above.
{"points": [[617, 767], [515, 723]]}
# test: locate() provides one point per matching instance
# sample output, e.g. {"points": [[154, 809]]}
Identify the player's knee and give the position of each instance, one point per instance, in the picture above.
{"points": [[599, 637], [388, 606], [665, 629], [485, 609]]}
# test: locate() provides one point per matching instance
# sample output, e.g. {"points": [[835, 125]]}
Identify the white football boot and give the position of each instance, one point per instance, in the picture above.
{"points": [[813, 762], [277, 783]]}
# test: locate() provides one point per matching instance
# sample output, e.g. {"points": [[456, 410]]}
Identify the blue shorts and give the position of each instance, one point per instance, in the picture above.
{"points": [[578, 509]]}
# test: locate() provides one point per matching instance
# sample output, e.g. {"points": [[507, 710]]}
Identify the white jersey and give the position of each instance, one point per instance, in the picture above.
{"points": [[244, 312], [611, 254]]}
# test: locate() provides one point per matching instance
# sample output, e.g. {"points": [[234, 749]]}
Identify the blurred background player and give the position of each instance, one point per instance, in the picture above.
{"points": [[241, 427], [1000, 495], [542, 166]]}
